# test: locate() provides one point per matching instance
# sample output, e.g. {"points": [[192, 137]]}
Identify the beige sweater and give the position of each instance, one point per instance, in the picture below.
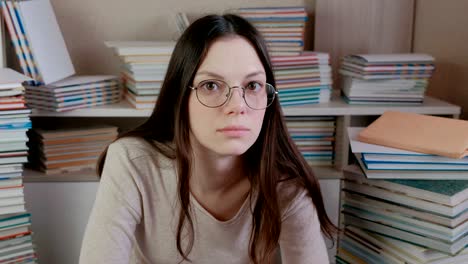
{"points": [[135, 216]]}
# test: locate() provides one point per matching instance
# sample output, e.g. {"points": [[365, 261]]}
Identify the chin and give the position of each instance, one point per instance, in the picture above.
{"points": [[231, 149]]}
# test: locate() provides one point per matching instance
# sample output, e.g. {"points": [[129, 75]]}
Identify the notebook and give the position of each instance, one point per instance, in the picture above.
{"points": [[420, 133], [10, 78], [46, 40]]}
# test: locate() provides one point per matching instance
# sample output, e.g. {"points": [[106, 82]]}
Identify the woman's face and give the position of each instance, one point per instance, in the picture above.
{"points": [[232, 128]]}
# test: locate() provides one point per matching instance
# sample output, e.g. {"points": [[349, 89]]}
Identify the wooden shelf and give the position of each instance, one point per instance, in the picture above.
{"points": [[336, 107], [121, 109], [327, 173], [36, 176], [322, 173]]}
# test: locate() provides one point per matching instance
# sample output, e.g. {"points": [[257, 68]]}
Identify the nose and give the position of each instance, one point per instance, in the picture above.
{"points": [[236, 102]]}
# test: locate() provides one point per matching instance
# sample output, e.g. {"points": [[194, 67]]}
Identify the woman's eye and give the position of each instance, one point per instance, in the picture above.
{"points": [[210, 86], [254, 86]]}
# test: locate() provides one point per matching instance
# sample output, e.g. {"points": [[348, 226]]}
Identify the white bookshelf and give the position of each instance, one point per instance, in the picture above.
{"points": [[90, 176], [336, 107], [82, 176]]}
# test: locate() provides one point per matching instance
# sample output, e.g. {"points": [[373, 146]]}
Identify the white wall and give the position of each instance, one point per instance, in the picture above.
{"points": [[60, 212]]}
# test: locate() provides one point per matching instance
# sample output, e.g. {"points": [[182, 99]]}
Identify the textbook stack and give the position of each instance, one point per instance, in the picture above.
{"points": [[403, 206], [403, 221], [45, 58], [74, 93], [381, 162], [15, 224], [144, 66], [302, 77], [69, 149], [282, 27], [315, 137], [408, 145], [386, 79]]}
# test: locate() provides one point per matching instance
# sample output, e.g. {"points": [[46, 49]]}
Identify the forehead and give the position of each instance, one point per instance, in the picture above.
{"points": [[232, 55]]}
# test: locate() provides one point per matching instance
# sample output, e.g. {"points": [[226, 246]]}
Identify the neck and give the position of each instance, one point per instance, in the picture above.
{"points": [[212, 173]]}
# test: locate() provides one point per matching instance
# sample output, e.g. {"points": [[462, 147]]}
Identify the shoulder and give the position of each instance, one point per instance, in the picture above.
{"points": [[140, 159], [292, 196], [135, 161], [135, 149]]}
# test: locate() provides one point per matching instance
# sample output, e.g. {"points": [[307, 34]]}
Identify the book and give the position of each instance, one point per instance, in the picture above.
{"points": [[182, 22], [407, 252], [14, 38], [75, 132], [7, 233], [448, 192], [419, 133], [13, 252], [436, 244], [401, 199], [50, 53], [406, 223], [11, 79], [12, 191], [366, 201], [434, 169], [15, 241], [125, 48], [376, 59]]}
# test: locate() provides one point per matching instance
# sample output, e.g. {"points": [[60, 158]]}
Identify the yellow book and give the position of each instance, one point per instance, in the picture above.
{"points": [[420, 133]]}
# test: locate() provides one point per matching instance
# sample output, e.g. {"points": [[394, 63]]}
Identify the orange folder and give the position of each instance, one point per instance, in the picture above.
{"points": [[420, 133]]}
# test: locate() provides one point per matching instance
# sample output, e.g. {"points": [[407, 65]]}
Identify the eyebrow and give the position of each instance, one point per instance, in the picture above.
{"points": [[215, 75]]}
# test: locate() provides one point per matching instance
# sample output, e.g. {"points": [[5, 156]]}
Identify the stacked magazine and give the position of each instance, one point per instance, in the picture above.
{"points": [[386, 79], [42, 55]]}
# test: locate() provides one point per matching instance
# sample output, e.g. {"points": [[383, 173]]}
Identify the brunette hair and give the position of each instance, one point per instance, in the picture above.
{"points": [[270, 158]]}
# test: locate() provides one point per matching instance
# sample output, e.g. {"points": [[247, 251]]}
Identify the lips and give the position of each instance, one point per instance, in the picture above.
{"points": [[234, 131], [233, 128]]}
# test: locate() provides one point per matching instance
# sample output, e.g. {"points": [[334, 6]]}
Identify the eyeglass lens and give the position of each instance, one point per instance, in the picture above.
{"points": [[214, 93]]}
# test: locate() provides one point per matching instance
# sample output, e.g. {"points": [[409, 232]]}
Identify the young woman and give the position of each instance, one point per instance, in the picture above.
{"points": [[213, 175]]}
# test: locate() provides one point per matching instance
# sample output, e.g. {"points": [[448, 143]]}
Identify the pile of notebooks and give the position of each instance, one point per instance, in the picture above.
{"points": [[282, 27], [45, 58], [74, 93], [407, 199], [303, 79], [144, 66], [315, 137], [386, 79], [403, 221], [65, 150], [16, 244], [407, 145]]}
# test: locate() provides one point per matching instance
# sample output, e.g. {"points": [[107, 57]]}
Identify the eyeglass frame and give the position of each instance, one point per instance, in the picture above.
{"points": [[195, 88]]}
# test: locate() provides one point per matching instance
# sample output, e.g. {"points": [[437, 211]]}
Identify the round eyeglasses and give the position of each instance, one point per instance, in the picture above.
{"points": [[215, 93]]}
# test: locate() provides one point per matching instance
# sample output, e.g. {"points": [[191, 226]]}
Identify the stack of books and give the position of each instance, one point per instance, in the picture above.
{"points": [[408, 145], [315, 137], [403, 221], [282, 27], [144, 66], [303, 79], [68, 149], [406, 201], [386, 79], [16, 244], [381, 162], [45, 58], [74, 93]]}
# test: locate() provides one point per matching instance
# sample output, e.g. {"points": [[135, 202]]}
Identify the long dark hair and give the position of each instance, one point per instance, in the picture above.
{"points": [[272, 159]]}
